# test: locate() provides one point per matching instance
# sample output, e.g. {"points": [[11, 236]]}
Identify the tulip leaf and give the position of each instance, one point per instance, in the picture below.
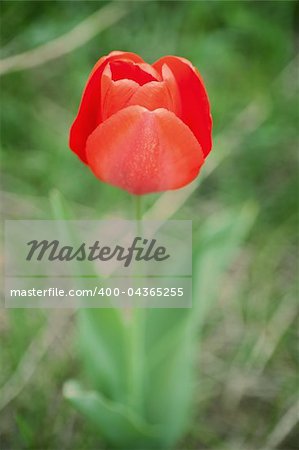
{"points": [[116, 422], [218, 244], [170, 386], [170, 334], [102, 342], [102, 339]]}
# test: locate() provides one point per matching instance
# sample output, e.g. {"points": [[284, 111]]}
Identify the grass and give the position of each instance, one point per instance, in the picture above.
{"points": [[248, 358]]}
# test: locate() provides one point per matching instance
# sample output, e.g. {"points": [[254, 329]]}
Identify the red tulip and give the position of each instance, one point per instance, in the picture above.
{"points": [[144, 128]]}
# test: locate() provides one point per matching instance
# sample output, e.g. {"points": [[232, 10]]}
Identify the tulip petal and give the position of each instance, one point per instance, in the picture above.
{"points": [[144, 151], [125, 69], [115, 95], [152, 96], [117, 54], [89, 113], [172, 86], [195, 108], [149, 69]]}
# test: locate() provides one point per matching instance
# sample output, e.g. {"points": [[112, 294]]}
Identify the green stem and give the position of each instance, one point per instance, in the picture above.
{"points": [[138, 207], [137, 331]]}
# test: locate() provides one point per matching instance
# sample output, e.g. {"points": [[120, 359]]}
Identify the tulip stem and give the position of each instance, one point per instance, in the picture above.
{"points": [[138, 207], [137, 331]]}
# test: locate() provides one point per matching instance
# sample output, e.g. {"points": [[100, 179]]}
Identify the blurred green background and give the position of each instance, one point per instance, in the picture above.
{"points": [[247, 54]]}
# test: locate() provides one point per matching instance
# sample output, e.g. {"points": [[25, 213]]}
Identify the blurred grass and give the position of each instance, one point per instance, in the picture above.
{"points": [[248, 364]]}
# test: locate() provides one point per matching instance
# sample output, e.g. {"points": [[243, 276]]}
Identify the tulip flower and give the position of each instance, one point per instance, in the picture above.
{"points": [[144, 128]]}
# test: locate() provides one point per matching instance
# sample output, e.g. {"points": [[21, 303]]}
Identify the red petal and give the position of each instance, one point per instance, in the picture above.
{"points": [[126, 69], [116, 54], [172, 88], [89, 113], [152, 96], [144, 151], [195, 108], [149, 69], [115, 95]]}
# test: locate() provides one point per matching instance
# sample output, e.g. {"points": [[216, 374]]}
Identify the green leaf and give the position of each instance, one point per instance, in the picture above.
{"points": [[102, 340], [117, 423], [171, 334], [217, 245], [103, 346], [170, 386]]}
